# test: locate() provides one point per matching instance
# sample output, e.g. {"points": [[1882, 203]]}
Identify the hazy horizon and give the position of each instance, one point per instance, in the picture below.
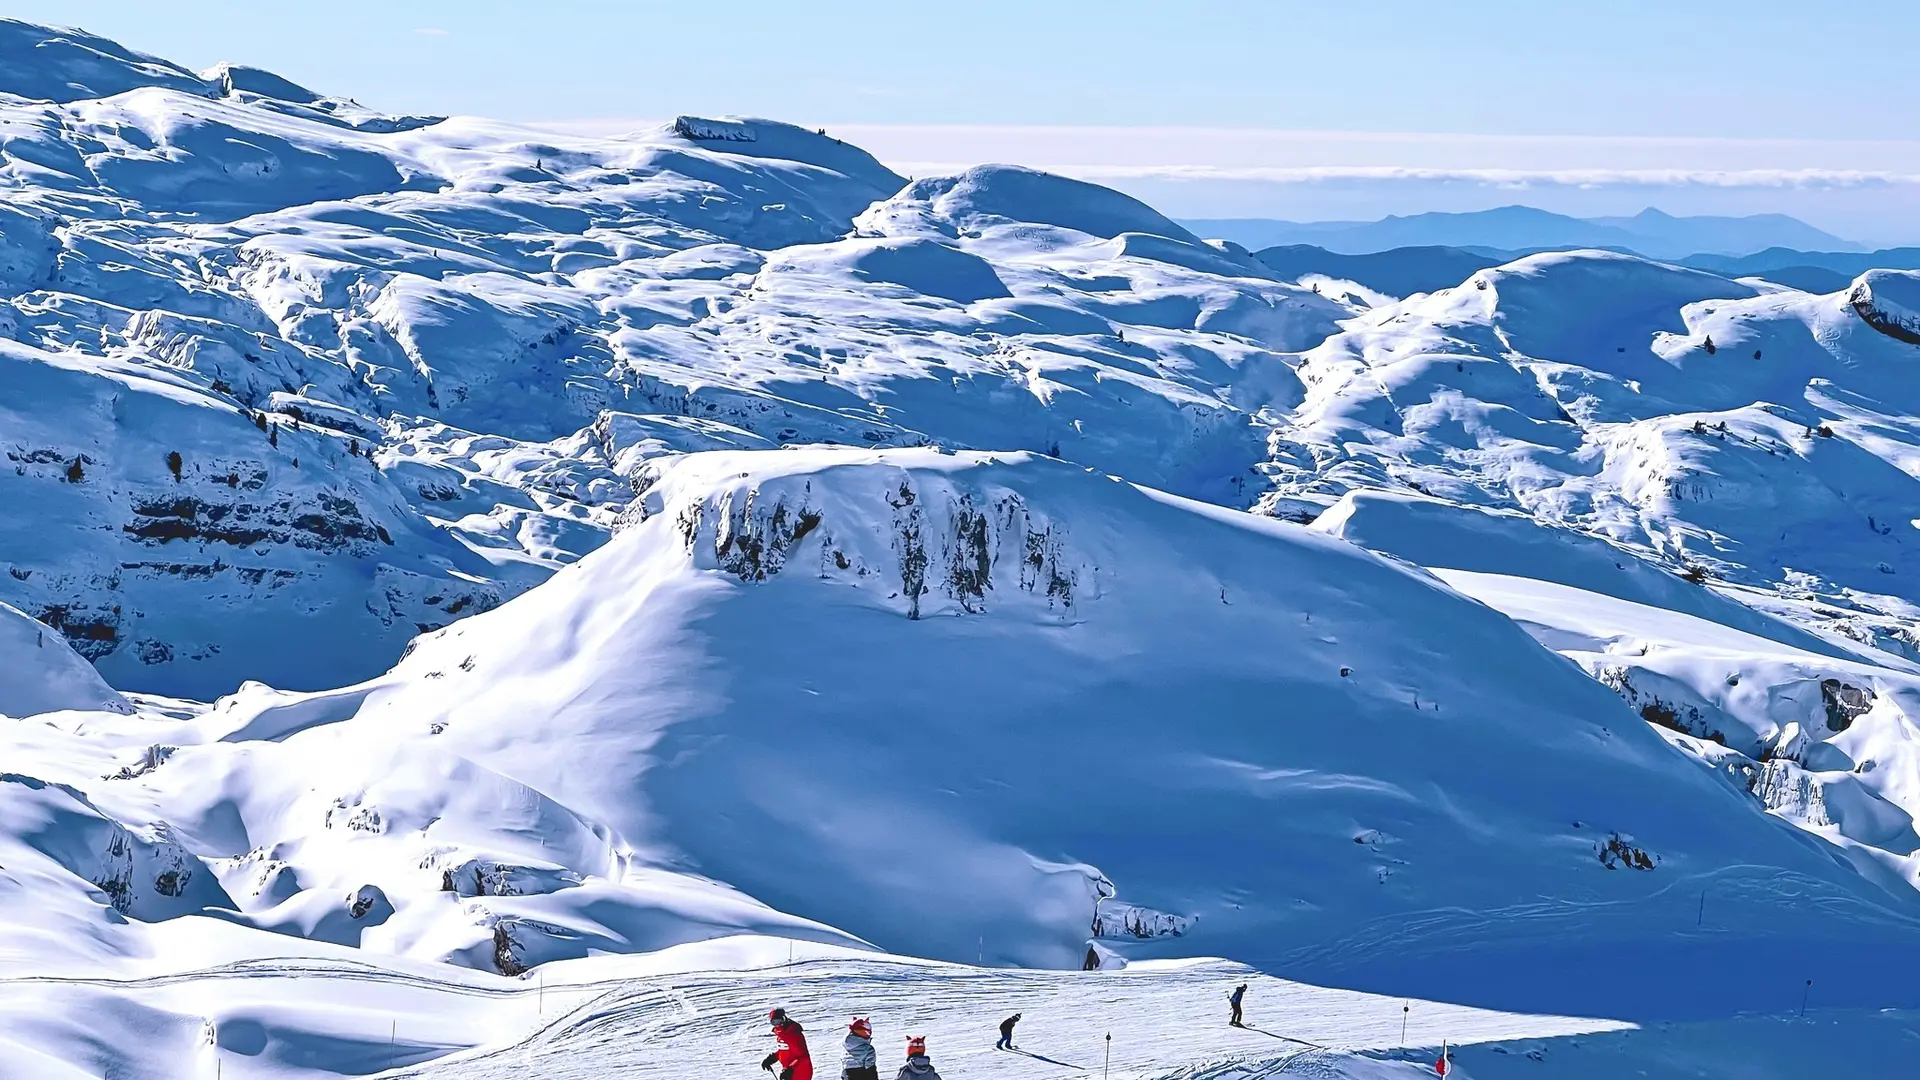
{"points": [[1719, 108]]}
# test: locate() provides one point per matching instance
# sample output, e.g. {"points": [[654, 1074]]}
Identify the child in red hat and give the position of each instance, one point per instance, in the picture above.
{"points": [[917, 1066]]}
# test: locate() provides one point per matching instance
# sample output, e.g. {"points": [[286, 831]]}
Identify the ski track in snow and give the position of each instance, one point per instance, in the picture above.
{"points": [[1166, 1022]]}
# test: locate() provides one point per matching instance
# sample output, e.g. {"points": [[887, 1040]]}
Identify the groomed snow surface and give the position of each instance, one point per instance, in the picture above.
{"points": [[482, 602]]}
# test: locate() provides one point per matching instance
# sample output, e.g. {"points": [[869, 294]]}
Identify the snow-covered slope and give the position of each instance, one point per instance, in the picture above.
{"points": [[1729, 432], [955, 699], [40, 673], [557, 549], [478, 330]]}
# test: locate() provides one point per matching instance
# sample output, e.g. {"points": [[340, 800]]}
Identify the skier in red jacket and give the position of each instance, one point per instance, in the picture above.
{"points": [[792, 1053]]}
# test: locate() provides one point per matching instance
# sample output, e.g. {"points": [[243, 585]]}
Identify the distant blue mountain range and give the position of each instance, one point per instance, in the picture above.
{"points": [[1524, 228], [1408, 270]]}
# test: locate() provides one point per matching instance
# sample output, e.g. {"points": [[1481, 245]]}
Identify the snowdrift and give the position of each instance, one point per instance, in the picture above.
{"points": [[989, 196]]}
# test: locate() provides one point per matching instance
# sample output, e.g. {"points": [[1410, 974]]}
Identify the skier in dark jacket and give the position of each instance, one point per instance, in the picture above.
{"points": [[1233, 1000], [791, 1053], [1006, 1033], [860, 1063]]}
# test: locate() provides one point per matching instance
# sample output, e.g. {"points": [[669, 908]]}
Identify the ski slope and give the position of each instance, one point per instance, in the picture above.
{"points": [[702, 1007], [1166, 1019]]}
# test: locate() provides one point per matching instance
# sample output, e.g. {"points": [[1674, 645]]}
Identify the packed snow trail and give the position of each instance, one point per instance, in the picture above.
{"points": [[1165, 1019], [700, 1011]]}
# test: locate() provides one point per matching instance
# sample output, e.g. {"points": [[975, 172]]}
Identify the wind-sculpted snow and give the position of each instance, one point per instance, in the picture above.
{"points": [[1889, 301], [942, 703], [44, 63], [992, 198], [759, 628], [448, 310], [1818, 740], [40, 673], [1764, 438]]}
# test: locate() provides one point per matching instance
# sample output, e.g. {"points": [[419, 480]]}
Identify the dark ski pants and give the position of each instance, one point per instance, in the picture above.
{"points": [[1006, 1041], [862, 1074], [1236, 1015]]}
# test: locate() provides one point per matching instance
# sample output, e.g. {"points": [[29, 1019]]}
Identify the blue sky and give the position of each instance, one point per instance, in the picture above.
{"points": [[1208, 107]]}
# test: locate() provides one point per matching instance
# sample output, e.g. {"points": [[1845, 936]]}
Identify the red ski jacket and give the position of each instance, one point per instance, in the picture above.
{"points": [[792, 1052]]}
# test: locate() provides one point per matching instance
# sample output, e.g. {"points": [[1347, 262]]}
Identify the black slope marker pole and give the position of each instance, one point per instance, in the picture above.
{"points": [[1404, 1008], [1803, 999], [1109, 1062]]}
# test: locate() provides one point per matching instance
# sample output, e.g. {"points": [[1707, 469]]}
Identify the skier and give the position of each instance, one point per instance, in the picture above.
{"points": [[791, 1055], [860, 1063], [1006, 1033], [1233, 1000], [917, 1066]]}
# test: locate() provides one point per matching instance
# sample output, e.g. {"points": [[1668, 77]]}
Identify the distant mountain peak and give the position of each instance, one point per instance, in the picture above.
{"points": [[1651, 232]]}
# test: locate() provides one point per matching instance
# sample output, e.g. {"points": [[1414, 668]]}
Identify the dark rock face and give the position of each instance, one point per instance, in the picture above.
{"points": [[1844, 703], [1861, 300], [955, 544], [1618, 851], [325, 523], [1674, 716]]}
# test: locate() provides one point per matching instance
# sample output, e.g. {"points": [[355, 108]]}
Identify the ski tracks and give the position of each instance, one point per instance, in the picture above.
{"points": [[1167, 1022]]}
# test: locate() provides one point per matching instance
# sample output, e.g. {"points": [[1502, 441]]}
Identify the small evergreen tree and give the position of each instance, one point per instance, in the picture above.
{"points": [[75, 474], [1711, 347], [173, 464]]}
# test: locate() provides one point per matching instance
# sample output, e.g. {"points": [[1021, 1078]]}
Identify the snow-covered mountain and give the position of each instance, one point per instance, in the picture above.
{"points": [[447, 557], [1525, 228], [391, 373]]}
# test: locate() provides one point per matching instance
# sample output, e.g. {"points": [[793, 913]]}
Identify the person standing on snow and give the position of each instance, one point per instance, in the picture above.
{"points": [[1006, 1032], [1233, 1000], [917, 1066], [791, 1054], [860, 1064]]}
